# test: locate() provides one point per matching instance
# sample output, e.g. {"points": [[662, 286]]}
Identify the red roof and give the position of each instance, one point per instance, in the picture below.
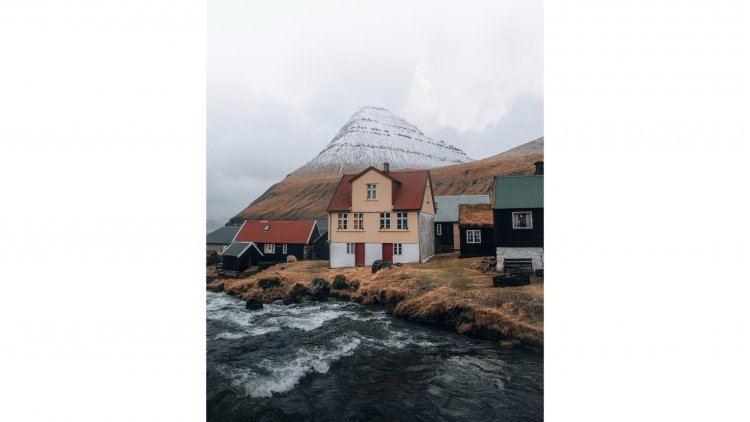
{"points": [[278, 231], [408, 190]]}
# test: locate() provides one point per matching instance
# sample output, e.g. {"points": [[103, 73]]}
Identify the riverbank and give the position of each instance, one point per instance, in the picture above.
{"points": [[446, 291]]}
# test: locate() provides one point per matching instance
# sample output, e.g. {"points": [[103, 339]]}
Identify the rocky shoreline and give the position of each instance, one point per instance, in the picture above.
{"points": [[513, 317]]}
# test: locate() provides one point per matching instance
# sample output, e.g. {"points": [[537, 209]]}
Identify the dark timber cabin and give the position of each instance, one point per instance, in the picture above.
{"points": [[277, 239], [519, 217], [321, 248], [447, 236], [476, 228], [239, 256]]}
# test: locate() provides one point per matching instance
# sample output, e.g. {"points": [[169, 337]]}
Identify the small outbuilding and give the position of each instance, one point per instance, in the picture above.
{"points": [[240, 256], [321, 249], [277, 239], [220, 239], [447, 236], [476, 228]]}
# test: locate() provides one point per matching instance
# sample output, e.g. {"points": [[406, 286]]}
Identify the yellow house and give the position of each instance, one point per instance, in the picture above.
{"points": [[386, 215]]}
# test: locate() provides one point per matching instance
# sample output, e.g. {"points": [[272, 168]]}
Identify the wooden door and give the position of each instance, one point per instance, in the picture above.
{"points": [[359, 254], [388, 252]]}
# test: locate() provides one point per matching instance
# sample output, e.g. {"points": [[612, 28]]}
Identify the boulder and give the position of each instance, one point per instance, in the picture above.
{"points": [[216, 288], [254, 303], [339, 282], [300, 290], [291, 299], [354, 285], [267, 283], [379, 265], [291, 258], [320, 289]]}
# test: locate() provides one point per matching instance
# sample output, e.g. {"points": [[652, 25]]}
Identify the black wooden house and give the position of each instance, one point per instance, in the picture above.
{"points": [[278, 239], [476, 228]]}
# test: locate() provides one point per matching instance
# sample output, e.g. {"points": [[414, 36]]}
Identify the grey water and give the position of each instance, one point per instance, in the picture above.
{"points": [[341, 361]]}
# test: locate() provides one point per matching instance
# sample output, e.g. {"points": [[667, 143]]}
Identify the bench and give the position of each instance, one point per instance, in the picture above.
{"points": [[517, 266]]}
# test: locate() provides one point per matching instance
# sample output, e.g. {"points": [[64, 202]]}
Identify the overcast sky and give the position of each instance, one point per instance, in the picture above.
{"points": [[283, 77]]}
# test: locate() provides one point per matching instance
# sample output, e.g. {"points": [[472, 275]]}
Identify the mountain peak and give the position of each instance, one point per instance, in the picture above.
{"points": [[374, 135]]}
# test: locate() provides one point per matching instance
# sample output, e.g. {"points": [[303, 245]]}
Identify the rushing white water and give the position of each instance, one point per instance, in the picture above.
{"points": [[338, 352]]}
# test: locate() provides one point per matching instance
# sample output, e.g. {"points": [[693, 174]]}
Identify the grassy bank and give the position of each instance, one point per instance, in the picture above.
{"points": [[447, 291]]}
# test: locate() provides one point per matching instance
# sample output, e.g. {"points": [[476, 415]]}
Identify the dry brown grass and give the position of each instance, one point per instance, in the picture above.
{"points": [[445, 290]]}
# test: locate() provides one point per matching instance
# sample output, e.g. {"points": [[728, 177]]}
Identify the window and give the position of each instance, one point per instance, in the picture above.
{"points": [[342, 221], [473, 236], [385, 221], [397, 249], [266, 227], [522, 220], [358, 221], [372, 191], [283, 248], [439, 230], [269, 248], [402, 221], [350, 248]]}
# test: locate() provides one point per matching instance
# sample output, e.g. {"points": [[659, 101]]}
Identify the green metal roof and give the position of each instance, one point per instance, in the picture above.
{"points": [[237, 248], [522, 191], [447, 206]]}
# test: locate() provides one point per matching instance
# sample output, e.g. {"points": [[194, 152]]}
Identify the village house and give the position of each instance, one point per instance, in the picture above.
{"points": [[382, 215], [220, 239], [240, 256], [447, 237], [475, 224], [519, 218], [278, 239]]}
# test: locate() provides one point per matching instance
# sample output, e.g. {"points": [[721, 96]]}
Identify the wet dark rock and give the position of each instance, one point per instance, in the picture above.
{"points": [[320, 289], [300, 290], [339, 282], [216, 288], [267, 283], [254, 303], [379, 265], [291, 299]]}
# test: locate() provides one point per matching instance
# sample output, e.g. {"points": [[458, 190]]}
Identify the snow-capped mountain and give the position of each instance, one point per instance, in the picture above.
{"points": [[374, 135]]}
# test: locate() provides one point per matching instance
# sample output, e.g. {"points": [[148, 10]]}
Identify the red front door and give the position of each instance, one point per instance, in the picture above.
{"points": [[388, 252], [359, 254]]}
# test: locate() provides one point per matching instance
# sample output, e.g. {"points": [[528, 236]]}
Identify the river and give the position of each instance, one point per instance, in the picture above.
{"points": [[341, 361]]}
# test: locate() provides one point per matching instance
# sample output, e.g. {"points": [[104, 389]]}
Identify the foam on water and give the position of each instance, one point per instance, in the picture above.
{"points": [[278, 374]]}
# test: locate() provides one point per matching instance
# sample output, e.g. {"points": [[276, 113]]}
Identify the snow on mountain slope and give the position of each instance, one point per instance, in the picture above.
{"points": [[374, 135]]}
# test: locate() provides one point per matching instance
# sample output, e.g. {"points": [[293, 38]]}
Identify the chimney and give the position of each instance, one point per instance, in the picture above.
{"points": [[386, 168], [539, 168]]}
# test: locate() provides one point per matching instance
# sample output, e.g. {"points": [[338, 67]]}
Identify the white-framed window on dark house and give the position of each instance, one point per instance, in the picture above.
{"points": [[283, 248], [385, 221], [473, 236], [522, 220], [350, 248], [359, 221], [342, 221], [402, 222], [269, 248], [372, 191], [439, 229], [397, 249]]}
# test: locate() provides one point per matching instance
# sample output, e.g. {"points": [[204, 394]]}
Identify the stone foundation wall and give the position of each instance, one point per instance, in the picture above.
{"points": [[536, 255]]}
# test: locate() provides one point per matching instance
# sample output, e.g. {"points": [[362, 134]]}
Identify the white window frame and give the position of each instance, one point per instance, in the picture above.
{"points": [[269, 248], [473, 236], [439, 229], [372, 191], [359, 218], [402, 220], [397, 249], [283, 249], [342, 221], [385, 217], [349, 248], [530, 222]]}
